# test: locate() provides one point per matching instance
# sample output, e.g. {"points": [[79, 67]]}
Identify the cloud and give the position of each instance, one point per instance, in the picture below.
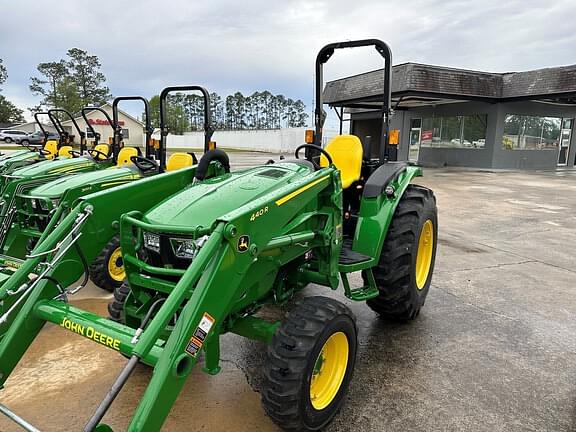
{"points": [[253, 45]]}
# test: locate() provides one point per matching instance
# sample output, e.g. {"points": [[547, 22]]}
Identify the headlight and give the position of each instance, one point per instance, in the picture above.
{"points": [[43, 204], [152, 241], [187, 248], [33, 203]]}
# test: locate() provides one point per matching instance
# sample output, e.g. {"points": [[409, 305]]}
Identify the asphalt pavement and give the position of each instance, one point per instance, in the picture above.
{"points": [[494, 348]]}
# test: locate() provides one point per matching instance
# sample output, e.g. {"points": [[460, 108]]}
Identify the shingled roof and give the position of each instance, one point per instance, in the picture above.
{"points": [[414, 78]]}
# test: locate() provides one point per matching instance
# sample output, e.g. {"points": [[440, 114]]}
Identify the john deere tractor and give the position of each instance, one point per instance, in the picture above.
{"points": [[40, 209], [32, 154], [205, 249]]}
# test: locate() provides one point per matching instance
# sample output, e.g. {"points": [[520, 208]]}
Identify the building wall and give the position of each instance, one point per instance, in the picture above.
{"points": [[271, 141], [492, 155], [136, 131]]}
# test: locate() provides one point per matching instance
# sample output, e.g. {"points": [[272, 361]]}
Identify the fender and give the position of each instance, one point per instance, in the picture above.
{"points": [[377, 207]]}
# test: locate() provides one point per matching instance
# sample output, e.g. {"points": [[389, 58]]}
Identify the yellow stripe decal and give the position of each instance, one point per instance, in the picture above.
{"points": [[114, 183], [299, 191]]}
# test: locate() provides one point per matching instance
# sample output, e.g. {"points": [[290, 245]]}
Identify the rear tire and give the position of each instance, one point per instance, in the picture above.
{"points": [[7, 140], [310, 364], [107, 270], [404, 272]]}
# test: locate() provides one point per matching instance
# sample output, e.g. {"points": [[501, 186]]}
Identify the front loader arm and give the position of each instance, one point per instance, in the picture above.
{"points": [[99, 227]]}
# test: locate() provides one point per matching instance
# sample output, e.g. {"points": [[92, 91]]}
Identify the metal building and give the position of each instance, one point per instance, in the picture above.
{"points": [[455, 117]]}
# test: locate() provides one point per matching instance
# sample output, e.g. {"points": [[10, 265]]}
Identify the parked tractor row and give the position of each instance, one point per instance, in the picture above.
{"points": [[193, 250]]}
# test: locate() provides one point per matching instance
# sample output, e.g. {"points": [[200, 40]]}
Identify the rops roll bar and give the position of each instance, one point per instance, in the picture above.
{"points": [[208, 129], [323, 56], [61, 130], [44, 131], [148, 125], [89, 125]]}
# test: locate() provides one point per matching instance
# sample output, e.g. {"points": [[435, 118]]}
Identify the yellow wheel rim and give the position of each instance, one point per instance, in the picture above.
{"points": [[329, 371], [115, 266], [424, 257]]}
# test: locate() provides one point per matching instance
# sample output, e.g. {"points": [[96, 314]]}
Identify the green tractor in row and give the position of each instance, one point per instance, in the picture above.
{"points": [[32, 154], [205, 249], [36, 211]]}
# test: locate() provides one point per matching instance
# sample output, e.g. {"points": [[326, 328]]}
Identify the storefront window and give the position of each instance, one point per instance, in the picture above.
{"points": [[454, 132], [531, 133]]}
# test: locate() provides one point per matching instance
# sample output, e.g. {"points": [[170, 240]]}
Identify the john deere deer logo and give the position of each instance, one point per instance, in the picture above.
{"points": [[243, 243]]}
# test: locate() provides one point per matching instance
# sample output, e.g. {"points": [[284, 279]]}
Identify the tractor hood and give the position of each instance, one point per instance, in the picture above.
{"points": [[17, 153], [18, 156], [59, 166], [92, 181], [201, 204]]}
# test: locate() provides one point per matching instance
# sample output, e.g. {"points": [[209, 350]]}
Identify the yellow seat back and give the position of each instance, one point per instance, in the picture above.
{"points": [[64, 152], [124, 156], [178, 161], [346, 153], [52, 147], [104, 148]]}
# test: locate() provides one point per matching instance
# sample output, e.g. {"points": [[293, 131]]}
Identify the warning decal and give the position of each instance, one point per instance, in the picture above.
{"points": [[200, 334]]}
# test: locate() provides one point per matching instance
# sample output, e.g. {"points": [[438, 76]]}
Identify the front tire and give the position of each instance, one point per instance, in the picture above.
{"points": [[310, 364], [404, 272], [116, 306], [24, 142], [107, 270]]}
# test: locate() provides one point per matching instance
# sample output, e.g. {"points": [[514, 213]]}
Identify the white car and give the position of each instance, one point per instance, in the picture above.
{"points": [[9, 135]]}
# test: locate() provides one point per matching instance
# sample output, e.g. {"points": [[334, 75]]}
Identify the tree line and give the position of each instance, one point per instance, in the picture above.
{"points": [[260, 110], [9, 113], [78, 81]]}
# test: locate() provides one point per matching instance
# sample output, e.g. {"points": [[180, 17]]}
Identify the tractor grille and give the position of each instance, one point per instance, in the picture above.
{"points": [[38, 214]]}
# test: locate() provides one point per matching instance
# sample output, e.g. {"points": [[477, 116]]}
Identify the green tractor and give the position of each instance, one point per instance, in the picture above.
{"points": [[57, 162], [37, 211], [205, 249], [31, 154]]}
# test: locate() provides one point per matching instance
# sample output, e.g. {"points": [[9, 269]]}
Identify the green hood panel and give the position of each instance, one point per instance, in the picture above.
{"points": [[201, 204], [59, 166], [17, 154], [93, 181], [20, 156]]}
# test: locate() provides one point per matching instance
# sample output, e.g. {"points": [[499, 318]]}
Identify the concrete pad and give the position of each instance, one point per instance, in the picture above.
{"points": [[494, 349]]}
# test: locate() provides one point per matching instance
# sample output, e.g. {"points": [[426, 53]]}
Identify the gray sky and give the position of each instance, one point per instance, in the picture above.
{"points": [[229, 45]]}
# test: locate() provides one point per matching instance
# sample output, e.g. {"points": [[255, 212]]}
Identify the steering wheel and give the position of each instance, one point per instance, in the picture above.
{"points": [[97, 155], [28, 146], [75, 153], [145, 165], [310, 159]]}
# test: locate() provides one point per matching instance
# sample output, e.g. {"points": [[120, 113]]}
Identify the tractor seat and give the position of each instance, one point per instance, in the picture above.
{"points": [[125, 154], [64, 152], [178, 161], [52, 147], [104, 148], [346, 152]]}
